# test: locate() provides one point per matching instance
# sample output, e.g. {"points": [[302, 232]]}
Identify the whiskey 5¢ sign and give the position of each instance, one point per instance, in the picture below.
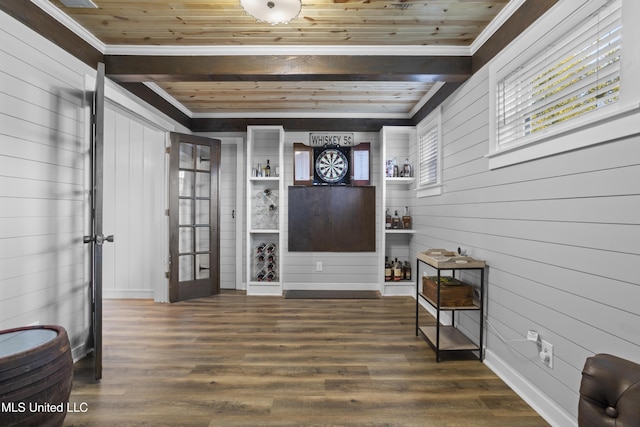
{"points": [[322, 139]]}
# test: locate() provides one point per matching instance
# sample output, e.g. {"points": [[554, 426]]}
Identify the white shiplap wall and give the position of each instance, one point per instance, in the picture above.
{"points": [[559, 235], [42, 185], [232, 200]]}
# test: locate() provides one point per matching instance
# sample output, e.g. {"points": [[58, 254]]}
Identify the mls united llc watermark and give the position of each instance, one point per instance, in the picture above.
{"points": [[34, 407]]}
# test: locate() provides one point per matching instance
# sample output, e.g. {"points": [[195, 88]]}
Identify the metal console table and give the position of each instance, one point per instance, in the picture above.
{"points": [[448, 338]]}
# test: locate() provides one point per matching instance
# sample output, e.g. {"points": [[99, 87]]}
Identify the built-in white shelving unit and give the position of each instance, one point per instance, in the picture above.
{"points": [[265, 219], [398, 192]]}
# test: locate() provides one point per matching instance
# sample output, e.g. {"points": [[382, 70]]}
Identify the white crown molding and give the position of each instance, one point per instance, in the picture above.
{"points": [[72, 25], [170, 99], [427, 96], [495, 24]]}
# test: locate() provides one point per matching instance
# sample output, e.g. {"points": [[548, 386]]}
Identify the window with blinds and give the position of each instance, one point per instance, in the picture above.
{"points": [[428, 156], [578, 75]]}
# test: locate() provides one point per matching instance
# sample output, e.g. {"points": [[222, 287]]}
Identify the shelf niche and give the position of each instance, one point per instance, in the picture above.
{"points": [[332, 219]]}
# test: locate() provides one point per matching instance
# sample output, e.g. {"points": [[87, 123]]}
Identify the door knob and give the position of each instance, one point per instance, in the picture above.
{"points": [[101, 238]]}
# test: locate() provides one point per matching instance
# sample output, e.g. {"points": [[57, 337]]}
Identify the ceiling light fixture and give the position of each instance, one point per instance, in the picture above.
{"points": [[272, 11]]}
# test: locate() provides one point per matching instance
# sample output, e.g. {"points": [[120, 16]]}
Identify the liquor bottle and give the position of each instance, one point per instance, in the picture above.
{"points": [[267, 169], [397, 271], [389, 168], [396, 223], [387, 224], [406, 219], [407, 170], [388, 272], [407, 270]]}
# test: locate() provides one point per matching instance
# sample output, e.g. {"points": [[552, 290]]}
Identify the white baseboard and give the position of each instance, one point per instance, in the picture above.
{"points": [[445, 316], [128, 294], [265, 289], [332, 286], [80, 352], [399, 289], [540, 402]]}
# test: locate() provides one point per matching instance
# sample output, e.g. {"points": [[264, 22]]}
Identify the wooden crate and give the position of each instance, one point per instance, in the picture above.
{"points": [[453, 293]]}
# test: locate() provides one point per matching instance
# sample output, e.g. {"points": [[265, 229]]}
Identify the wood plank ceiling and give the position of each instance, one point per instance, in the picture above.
{"points": [[338, 63], [321, 22]]}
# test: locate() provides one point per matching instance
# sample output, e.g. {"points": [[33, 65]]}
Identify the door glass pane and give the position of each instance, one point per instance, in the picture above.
{"points": [[203, 157], [185, 214], [202, 212], [185, 184], [185, 242], [185, 272], [202, 239], [186, 156], [203, 182], [202, 266]]}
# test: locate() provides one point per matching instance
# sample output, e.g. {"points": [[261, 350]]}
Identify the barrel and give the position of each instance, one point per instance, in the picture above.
{"points": [[36, 375]]}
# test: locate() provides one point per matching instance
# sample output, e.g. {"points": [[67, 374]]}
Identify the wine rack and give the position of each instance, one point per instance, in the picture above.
{"points": [[265, 146]]}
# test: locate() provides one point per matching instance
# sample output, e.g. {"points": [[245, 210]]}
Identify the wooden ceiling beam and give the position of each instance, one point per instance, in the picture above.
{"points": [[521, 19], [149, 96], [38, 20], [139, 68], [295, 124]]}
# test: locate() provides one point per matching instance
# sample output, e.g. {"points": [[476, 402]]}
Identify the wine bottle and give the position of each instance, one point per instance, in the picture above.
{"points": [[267, 169], [387, 224]]}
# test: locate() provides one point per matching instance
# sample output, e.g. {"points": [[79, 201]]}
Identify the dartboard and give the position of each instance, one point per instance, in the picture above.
{"points": [[332, 165]]}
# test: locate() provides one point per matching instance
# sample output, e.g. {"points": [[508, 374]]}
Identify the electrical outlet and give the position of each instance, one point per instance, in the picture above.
{"points": [[546, 354], [319, 266]]}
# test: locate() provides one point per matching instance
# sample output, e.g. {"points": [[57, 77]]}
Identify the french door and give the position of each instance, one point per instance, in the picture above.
{"points": [[194, 242], [97, 238]]}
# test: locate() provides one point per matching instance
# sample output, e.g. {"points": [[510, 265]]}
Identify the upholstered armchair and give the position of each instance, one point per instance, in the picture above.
{"points": [[609, 393]]}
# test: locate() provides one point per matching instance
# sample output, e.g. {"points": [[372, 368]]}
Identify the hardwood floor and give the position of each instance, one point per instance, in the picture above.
{"points": [[234, 360]]}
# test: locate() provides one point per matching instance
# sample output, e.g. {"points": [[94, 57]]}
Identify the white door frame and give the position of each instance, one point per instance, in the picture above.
{"points": [[118, 97], [239, 205]]}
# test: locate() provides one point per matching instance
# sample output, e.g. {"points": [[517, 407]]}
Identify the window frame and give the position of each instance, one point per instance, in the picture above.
{"points": [[433, 120], [598, 126]]}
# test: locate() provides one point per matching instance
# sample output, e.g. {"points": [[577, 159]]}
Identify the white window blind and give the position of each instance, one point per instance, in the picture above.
{"points": [[576, 76], [428, 155]]}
